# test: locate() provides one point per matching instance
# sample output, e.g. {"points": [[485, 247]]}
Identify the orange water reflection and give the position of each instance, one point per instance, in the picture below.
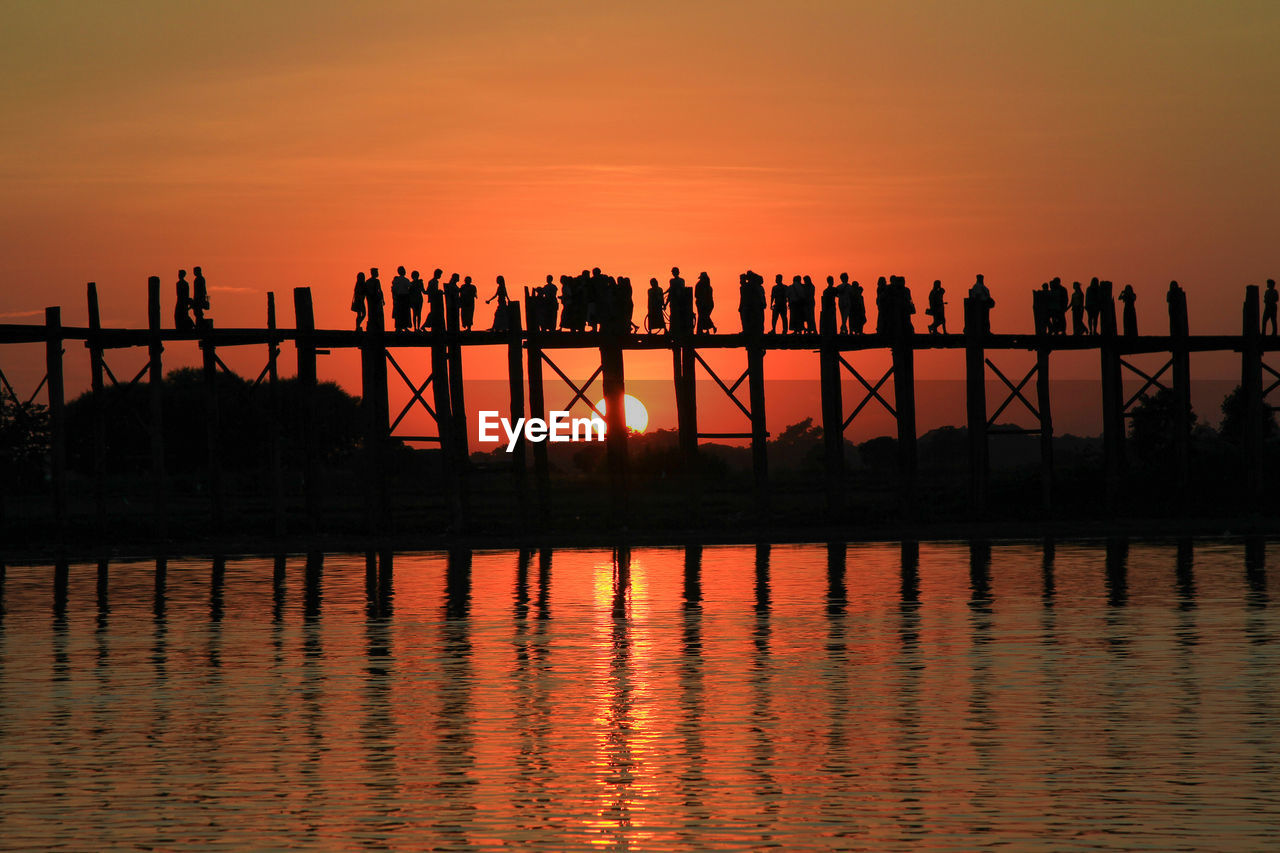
{"points": [[939, 695]]}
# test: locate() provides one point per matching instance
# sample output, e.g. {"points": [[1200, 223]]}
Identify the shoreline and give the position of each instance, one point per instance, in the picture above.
{"points": [[250, 545]]}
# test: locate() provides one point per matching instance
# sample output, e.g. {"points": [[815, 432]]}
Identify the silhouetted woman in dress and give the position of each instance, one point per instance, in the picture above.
{"points": [[357, 300], [1128, 297]]}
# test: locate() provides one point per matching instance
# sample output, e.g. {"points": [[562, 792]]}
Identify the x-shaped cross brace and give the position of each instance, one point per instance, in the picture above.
{"points": [[873, 392], [1015, 391]]}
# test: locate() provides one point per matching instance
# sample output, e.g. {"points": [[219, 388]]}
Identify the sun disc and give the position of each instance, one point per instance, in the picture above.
{"points": [[637, 415]]}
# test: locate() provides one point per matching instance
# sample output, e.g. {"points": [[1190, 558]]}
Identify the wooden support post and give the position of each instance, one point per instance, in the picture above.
{"points": [[273, 420], [538, 409], [99, 401], [458, 406], [1251, 388], [305, 324], [759, 431], [615, 426], [155, 349], [1112, 400], [444, 416], [1178, 332], [214, 475], [976, 318], [904, 388], [687, 422], [373, 362], [57, 416], [515, 381], [1046, 427], [832, 417]]}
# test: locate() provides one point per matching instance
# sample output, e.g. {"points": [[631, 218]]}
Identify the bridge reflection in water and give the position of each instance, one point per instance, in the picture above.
{"points": [[942, 695]]}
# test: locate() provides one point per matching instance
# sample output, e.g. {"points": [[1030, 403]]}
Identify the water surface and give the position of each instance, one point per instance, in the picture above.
{"points": [[940, 696]]}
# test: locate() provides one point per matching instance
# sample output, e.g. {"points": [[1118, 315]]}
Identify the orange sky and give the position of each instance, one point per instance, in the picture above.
{"points": [[296, 143]]}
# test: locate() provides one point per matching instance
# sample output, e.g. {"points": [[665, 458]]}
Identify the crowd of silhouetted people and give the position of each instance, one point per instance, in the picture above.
{"points": [[596, 301]]}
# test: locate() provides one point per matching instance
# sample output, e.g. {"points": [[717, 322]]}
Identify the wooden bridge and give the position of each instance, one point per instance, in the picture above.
{"points": [[530, 351]]}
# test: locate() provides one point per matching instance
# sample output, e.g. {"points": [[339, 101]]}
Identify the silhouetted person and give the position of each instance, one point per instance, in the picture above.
{"points": [[199, 295], [704, 302], [810, 306], [1128, 297], [1093, 304], [795, 304], [626, 306], [357, 300], [1077, 310], [401, 315], [778, 304], [552, 305], [830, 298], [937, 309], [857, 308], [182, 305], [882, 305], [655, 321], [761, 302], [676, 303], [499, 314], [417, 290], [1040, 311], [1177, 301], [904, 306], [435, 320], [979, 294], [373, 290], [1058, 303], [751, 303], [467, 296], [844, 302], [1269, 299]]}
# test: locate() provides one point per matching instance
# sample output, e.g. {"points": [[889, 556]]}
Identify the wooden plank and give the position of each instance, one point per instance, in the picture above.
{"points": [[684, 363], [515, 384], [1251, 388], [1177, 300], [1045, 414], [98, 409], [155, 351], [1112, 400], [832, 418], [759, 429], [57, 416], [304, 321], [459, 437], [275, 449], [904, 388], [538, 409], [373, 364], [213, 476], [976, 322], [440, 390], [616, 429]]}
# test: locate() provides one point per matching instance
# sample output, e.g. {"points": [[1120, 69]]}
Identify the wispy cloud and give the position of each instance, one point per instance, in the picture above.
{"points": [[14, 315], [217, 288]]}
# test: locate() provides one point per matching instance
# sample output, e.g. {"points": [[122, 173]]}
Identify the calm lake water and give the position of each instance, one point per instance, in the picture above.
{"points": [[944, 696]]}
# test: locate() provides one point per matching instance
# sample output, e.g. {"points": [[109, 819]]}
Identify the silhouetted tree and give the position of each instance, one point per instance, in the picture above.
{"points": [[1153, 427], [24, 442], [243, 436], [1233, 414]]}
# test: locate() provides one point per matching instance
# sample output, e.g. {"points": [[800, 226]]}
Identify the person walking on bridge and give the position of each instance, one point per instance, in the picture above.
{"points": [[937, 309]]}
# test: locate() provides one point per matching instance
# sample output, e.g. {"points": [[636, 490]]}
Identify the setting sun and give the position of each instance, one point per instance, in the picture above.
{"points": [[637, 414]]}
